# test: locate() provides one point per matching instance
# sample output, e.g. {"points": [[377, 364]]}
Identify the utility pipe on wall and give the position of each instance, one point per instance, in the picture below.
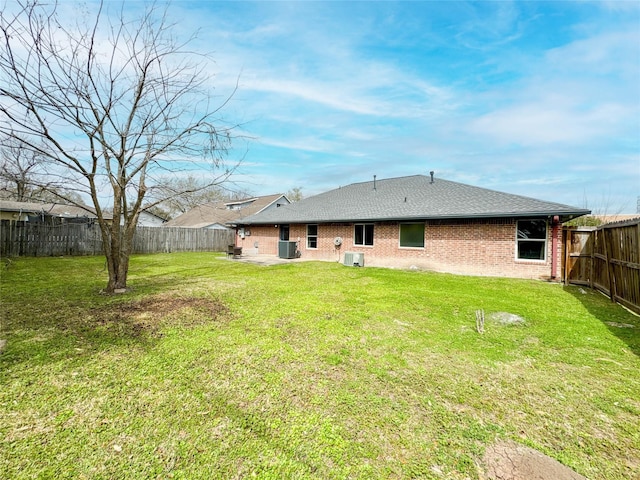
{"points": [[554, 246]]}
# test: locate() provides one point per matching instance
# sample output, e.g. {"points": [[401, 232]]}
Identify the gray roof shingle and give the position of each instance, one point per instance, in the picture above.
{"points": [[410, 198]]}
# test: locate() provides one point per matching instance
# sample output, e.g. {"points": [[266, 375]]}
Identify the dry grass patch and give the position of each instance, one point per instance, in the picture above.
{"points": [[150, 315]]}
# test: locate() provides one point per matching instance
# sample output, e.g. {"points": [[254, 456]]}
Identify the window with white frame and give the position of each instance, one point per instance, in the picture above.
{"points": [[312, 236], [412, 235], [531, 240], [363, 234]]}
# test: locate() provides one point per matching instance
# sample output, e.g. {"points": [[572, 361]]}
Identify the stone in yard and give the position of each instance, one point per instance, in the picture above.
{"points": [[620, 325], [511, 461], [506, 318]]}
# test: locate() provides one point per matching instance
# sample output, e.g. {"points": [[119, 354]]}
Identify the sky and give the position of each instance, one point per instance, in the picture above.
{"points": [[534, 98]]}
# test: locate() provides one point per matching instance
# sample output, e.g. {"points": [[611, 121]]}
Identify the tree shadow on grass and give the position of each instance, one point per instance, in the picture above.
{"points": [[78, 331], [619, 321]]}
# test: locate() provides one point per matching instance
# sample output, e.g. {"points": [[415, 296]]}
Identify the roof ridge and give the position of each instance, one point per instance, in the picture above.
{"points": [[381, 180]]}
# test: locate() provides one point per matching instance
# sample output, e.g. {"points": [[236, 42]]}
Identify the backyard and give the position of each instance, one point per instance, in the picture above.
{"points": [[214, 368]]}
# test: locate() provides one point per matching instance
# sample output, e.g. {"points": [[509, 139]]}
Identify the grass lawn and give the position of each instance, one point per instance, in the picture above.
{"points": [[211, 368]]}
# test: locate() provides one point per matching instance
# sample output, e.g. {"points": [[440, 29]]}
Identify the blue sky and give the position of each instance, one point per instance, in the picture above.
{"points": [[535, 98]]}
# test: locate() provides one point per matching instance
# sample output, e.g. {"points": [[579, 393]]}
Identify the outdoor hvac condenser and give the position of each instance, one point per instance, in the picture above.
{"points": [[286, 249], [353, 259]]}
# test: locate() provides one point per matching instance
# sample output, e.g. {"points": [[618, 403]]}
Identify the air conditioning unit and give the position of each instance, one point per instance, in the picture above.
{"points": [[354, 259], [287, 249]]}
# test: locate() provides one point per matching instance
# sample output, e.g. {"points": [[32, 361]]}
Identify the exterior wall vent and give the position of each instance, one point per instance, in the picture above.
{"points": [[354, 259]]}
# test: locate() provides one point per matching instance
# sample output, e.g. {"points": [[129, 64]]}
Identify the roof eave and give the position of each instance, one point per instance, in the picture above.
{"points": [[565, 216]]}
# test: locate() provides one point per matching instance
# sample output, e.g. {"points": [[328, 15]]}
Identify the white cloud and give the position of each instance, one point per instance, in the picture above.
{"points": [[577, 94], [598, 55], [308, 144], [550, 122]]}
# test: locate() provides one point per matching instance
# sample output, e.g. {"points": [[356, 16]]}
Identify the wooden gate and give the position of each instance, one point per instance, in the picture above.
{"points": [[578, 245], [606, 258]]}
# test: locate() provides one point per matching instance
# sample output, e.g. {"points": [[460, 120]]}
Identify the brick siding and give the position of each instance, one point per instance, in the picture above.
{"points": [[473, 247]]}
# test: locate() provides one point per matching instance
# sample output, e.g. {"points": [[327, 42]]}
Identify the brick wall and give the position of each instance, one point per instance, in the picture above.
{"points": [[474, 247], [259, 240]]}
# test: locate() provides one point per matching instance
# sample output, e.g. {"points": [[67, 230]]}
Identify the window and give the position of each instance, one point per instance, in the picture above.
{"points": [[532, 240], [363, 234], [412, 235], [312, 236]]}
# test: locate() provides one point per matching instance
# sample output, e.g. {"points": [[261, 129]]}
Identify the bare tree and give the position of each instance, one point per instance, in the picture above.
{"points": [[18, 169], [295, 194], [23, 176], [193, 191], [113, 106], [602, 211]]}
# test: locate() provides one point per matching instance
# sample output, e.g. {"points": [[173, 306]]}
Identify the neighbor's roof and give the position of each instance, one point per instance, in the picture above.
{"points": [[618, 217], [53, 209], [217, 212], [410, 198]]}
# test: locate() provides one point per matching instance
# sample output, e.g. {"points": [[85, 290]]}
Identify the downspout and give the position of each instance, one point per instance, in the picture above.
{"points": [[554, 246]]}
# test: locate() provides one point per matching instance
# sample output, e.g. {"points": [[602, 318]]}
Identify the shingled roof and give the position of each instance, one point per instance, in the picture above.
{"points": [[220, 213], [51, 209], [410, 198]]}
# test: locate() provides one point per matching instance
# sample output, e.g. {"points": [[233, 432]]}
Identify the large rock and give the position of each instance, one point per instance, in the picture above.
{"points": [[511, 461]]}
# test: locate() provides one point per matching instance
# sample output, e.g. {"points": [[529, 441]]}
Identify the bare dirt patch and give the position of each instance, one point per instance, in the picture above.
{"points": [[151, 314], [507, 460]]}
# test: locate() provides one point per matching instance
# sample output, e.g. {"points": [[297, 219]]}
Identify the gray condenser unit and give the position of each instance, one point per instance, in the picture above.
{"points": [[286, 249], [353, 259]]}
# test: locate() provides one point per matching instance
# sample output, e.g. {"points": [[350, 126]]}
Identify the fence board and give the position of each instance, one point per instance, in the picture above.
{"points": [[614, 253], [38, 240]]}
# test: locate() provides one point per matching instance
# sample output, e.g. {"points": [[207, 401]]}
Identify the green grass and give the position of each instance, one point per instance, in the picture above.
{"points": [[212, 368]]}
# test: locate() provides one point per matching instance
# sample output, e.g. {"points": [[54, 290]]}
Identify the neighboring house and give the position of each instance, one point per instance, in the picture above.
{"points": [[58, 213], [420, 222], [45, 212], [220, 215], [148, 219], [620, 217]]}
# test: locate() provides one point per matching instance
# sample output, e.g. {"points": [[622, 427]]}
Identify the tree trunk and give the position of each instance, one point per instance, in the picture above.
{"points": [[121, 246], [118, 275], [118, 265]]}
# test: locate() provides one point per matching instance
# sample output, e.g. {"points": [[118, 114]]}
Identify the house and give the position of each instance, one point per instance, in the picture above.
{"points": [[59, 213], [147, 219], [45, 212], [219, 215], [417, 222], [614, 218]]}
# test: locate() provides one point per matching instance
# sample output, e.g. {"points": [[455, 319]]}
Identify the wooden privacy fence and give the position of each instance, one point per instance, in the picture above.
{"points": [[606, 258], [40, 240]]}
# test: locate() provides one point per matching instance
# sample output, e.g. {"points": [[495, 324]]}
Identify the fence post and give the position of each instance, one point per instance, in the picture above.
{"points": [[610, 270], [592, 260], [567, 257]]}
